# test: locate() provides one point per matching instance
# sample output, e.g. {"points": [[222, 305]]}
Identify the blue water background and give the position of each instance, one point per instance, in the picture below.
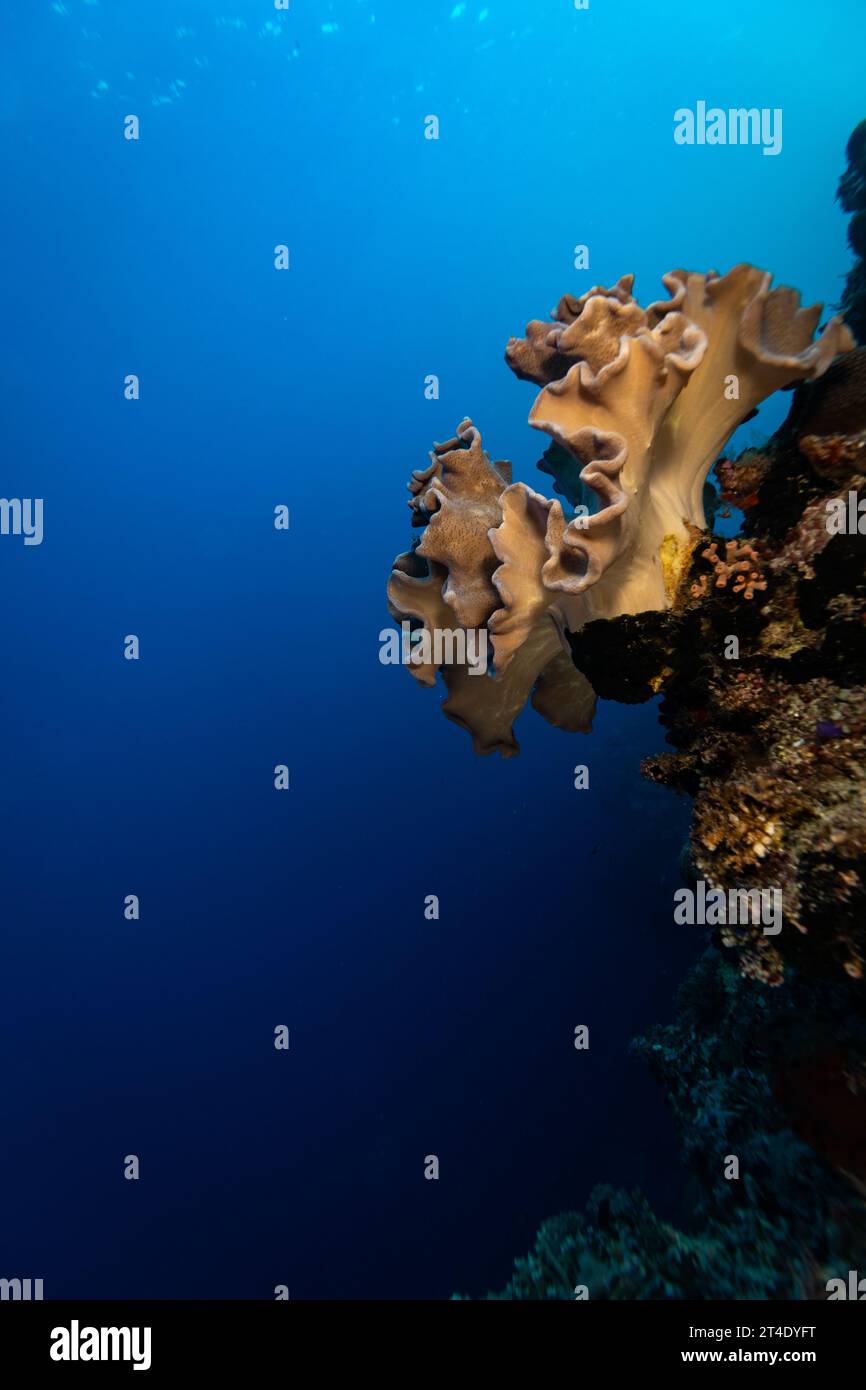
{"points": [[260, 647]]}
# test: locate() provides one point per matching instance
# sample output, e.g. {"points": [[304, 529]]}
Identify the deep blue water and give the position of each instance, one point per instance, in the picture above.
{"points": [[260, 647]]}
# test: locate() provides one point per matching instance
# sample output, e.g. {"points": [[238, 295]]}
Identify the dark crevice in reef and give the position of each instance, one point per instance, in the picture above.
{"points": [[766, 1057], [852, 196]]}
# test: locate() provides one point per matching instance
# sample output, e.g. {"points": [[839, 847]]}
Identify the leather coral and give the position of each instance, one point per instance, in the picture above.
{"points": [[642, 402], [447, 581], [647, 402]]}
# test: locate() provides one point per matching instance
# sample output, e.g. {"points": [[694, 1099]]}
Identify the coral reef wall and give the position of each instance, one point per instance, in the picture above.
{"points": [[762, 664], [796, 1218], [772, 747], [756, 645]]}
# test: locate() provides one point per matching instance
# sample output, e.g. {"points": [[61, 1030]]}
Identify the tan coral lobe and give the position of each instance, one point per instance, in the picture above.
{"points": [[673, 386], [415, 591], [463, 499], [549, 349], [522, 542]]}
